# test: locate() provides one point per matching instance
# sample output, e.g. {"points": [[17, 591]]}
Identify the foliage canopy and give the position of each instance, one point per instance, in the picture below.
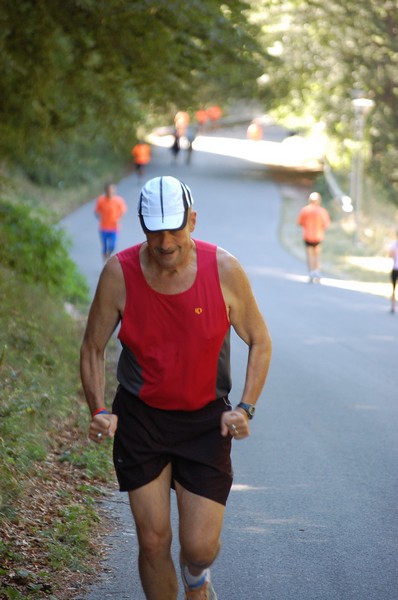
{"points": [[76, 73], [78, 78], [326, 54]]}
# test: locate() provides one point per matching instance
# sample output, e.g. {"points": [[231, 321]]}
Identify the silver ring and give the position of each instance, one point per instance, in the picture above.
{"points": [[234, 429], [99, 435]]}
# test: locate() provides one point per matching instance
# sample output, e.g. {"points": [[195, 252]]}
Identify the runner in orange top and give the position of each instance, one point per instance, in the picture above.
{"points": [[141, 153], [109, 209], [202, 117], [214, 113], [314, 219]]}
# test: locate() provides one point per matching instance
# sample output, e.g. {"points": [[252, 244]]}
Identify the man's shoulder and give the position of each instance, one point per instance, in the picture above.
{"points": [[211, 248], [316, 210], [228, 264]]}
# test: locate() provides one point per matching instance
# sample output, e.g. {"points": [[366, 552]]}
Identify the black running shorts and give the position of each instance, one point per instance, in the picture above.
{"points": [[147, 439]]}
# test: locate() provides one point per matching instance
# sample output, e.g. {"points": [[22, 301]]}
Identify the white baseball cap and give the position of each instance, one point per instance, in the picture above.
{"points": [[164, 203]]}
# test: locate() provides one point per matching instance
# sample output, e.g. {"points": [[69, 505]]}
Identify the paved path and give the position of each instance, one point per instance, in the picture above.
{"points": [[313, 510]]}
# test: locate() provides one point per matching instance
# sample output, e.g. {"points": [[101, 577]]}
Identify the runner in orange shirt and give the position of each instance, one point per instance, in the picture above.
{"points": [[202, 117], [109, 209], [141, 153], [314, 219], [214, 113]]}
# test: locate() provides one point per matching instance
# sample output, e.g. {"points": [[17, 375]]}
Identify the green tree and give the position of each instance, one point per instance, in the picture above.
{"points": [[83, 73], [325, 52]]}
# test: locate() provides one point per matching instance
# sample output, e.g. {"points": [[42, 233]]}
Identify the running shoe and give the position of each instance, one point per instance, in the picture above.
{"points": [[204, 592]]}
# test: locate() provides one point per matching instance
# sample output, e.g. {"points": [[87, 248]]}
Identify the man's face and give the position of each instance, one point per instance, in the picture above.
{"points": [[171, 248]]}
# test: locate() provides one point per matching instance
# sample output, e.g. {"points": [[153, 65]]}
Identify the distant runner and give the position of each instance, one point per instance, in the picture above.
{"points": [[141, 153], [109, 209], [314, 219], [394, 272]]}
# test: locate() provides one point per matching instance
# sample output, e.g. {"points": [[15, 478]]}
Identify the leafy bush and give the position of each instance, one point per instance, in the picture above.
{"points": [[39, 253], [39, 345], [68, 163]]}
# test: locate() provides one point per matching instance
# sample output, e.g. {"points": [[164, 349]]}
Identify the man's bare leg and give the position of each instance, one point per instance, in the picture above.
{"points": [[150, 506], [313, 258], [201, 522]]}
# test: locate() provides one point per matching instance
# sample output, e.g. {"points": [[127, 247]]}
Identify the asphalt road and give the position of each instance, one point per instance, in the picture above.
{"points": [[313, 511]]}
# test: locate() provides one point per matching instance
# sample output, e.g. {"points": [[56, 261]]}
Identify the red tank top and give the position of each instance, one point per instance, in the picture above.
{"points": [[176, 350]]}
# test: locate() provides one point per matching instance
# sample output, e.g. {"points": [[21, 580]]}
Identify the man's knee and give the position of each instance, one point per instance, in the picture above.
{"points": [[154, 544], [200, 554]]}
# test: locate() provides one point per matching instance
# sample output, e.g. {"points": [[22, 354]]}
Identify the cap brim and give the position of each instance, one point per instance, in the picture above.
{"points": [[170, 223]]}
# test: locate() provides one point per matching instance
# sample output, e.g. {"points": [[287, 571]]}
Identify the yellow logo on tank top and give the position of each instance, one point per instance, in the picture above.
{"points": [[198, 310]]}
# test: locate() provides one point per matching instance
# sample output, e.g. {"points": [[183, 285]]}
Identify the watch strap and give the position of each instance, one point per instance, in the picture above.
{"points": [[249, 409]]}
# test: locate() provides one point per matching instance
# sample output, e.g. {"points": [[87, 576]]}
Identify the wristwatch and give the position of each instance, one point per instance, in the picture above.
{"points": [[249, 409]]}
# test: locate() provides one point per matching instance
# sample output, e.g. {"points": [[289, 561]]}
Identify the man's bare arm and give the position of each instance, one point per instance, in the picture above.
{"points": [[249, 324], [104, 316]]}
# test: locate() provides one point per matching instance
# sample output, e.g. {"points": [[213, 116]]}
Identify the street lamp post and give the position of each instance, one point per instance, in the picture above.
{"points": [[362, 107]]}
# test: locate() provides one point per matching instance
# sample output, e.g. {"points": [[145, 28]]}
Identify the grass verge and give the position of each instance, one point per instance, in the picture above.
{"points": [[50, 475]]}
